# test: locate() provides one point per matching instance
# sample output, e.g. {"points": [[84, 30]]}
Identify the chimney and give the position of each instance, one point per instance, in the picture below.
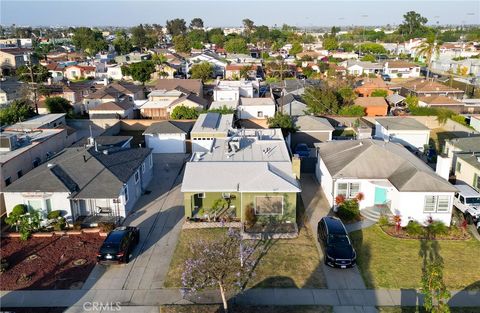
{"points": [[296, 164]]}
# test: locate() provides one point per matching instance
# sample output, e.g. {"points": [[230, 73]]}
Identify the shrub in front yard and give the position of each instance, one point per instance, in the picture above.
{"points": [[29, 223], [435, 228], [414, 229], [106, 227], [349, 210], [13, 219], [383, 221], [250, 216], [54, 214]]}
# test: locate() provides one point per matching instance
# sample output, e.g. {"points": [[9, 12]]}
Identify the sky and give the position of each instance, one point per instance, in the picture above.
{"points": [[231, 13]]}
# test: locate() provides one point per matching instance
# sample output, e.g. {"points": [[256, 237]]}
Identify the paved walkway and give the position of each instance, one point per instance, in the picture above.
{"points": [[159, 216], [75, 299], [359, 225]]}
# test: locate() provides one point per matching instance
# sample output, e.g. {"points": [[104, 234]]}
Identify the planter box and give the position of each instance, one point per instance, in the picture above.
{"points": [[91, 230], [42, 235]]}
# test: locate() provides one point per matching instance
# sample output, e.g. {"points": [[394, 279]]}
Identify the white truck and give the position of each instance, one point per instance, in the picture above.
{"points": [[467, 200]]}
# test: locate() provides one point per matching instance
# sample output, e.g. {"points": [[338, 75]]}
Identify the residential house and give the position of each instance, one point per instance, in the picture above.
{"points": [[293, 86], [187, 85], [133, 57], [10, 89], [442, 102], [467, 169], [374, 106], [217, 105], [168, 136], [76, 72], [212, 58], [311, 130], [56, 70], [161, 103], [395, 99], [426, 88], [401, 69], [256, 108], [358, 68], [114, 92], [253, 171], [121, 109], [404, 130], [85, 181], [208, 127], [13, 58], [389, 177], [233, 90], [234, 71], [242, 59], [369, 85], [114, 72], [292, 105]]}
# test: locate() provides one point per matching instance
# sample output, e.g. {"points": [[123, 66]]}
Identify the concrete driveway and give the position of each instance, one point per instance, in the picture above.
{"points": [[316, 207], [159, 215]]}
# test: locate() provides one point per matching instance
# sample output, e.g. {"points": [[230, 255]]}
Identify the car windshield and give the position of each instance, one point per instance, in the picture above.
{"points": [[337, 239], [472, 200], [109, 248]]}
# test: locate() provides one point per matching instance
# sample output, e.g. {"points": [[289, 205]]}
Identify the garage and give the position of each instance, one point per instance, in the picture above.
{"points": [[311, 130], [167, 136]]}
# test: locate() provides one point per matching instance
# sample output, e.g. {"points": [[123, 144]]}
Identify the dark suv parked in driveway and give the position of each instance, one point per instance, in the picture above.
{"points": [[337, 246], [118, 245]]}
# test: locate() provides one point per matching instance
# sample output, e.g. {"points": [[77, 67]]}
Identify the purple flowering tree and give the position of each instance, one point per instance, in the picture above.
{"points": [[225, 263]]}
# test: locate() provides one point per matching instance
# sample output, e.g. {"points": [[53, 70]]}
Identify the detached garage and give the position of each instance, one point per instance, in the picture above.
{"points": [[168, 136], [404, 130], [311, 130]]}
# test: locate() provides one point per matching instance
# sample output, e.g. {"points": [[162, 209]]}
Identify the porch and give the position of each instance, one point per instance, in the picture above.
{"points": [[94, 211]]}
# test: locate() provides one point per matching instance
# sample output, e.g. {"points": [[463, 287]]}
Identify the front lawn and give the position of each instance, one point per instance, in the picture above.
{"points": [[411, 309], [387, 262], [288, 263]]}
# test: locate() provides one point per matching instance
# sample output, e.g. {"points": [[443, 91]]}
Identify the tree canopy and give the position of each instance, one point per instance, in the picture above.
{"points": [[196, 23], [17, 111], [88, 40], [413, 25], [203, 71], [184, 113], [143, 37], [40, 73], [283, 121], [236, 45], [176, 27], [141, 71], [122, 43], [296, 48], [181, 43], [58, 105]]}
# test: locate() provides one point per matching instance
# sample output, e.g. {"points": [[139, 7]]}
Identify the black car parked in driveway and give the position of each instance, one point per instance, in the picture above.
{"points": [[118, 245], [337, 246]]}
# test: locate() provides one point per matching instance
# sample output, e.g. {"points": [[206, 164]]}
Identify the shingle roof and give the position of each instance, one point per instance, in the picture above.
{"points": [[467, 144], [395, 98], [371, 102], [374, 159], [169, 127], [192, 85], [401, 64], [423, 85], [401, 123], [113, 106], [436, 100], [84, 173], [470, 158]]}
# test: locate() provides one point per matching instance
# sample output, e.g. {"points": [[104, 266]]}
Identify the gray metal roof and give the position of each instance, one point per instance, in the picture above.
{"points": [[467, 144], [374, 159], [216, 123], [395, 98], [400, 123], [84, 173]]}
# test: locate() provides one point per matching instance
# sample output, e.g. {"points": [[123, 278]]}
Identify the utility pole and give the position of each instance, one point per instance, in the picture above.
{"points": [[29, 64]]}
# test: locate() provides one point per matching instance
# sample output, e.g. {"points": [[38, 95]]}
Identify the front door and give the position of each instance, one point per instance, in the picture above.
{"points": [[380, 195]]}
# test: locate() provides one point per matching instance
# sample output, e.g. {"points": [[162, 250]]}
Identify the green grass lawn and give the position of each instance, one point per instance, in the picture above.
{"points": [[289, 263], [245, 309], [410, 309], [387, 262]]}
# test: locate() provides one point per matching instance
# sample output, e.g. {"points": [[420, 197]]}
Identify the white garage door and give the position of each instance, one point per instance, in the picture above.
{"points": [[416, 140], [166, 143]]}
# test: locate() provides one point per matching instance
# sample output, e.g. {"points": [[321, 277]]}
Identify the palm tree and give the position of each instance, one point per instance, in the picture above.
{"points": [[428, 49], [159, 59]]}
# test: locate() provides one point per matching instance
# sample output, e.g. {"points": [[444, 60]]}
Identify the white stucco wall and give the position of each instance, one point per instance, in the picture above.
{"points": [[166, 143], [410, 206], [414, 138], [59, 201], [251, 111]]}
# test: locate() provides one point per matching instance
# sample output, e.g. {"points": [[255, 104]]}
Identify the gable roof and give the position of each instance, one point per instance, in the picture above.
{"points": [[439, 100], [192, 97], [422, 85], [466, 144], [113, 106], [395, 98], [84, 173], [400, 64], [375, 159], [400, 123], [192, 85]]}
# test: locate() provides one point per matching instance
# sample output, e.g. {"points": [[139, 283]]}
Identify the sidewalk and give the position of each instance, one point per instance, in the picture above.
{"points": [[284, 296]]}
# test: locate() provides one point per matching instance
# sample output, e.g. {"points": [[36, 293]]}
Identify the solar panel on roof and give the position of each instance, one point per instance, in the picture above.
{"points": [[211, 120]]}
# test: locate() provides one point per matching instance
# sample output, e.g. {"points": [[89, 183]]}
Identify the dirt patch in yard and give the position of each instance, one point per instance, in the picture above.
{"points": [[48, 263]]}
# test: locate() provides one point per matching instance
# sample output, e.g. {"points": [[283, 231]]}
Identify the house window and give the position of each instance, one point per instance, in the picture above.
{"points": [[436, 204], [143, 167], [201, 195], [458, 167], [267, 205], [125, 192], [8, 181], [226, 195], [48, 204], [35, 205], [348, 190], [137, 176], [260, 114]]}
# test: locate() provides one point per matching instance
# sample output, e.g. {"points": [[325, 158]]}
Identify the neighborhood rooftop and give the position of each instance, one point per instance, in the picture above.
{"points": [[37, 121], [401, 123], [213, 123]]}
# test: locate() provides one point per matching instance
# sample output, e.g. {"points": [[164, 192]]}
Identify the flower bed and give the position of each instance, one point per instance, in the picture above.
{"points": [[454, 233], [56, 262], [43, 234]]}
